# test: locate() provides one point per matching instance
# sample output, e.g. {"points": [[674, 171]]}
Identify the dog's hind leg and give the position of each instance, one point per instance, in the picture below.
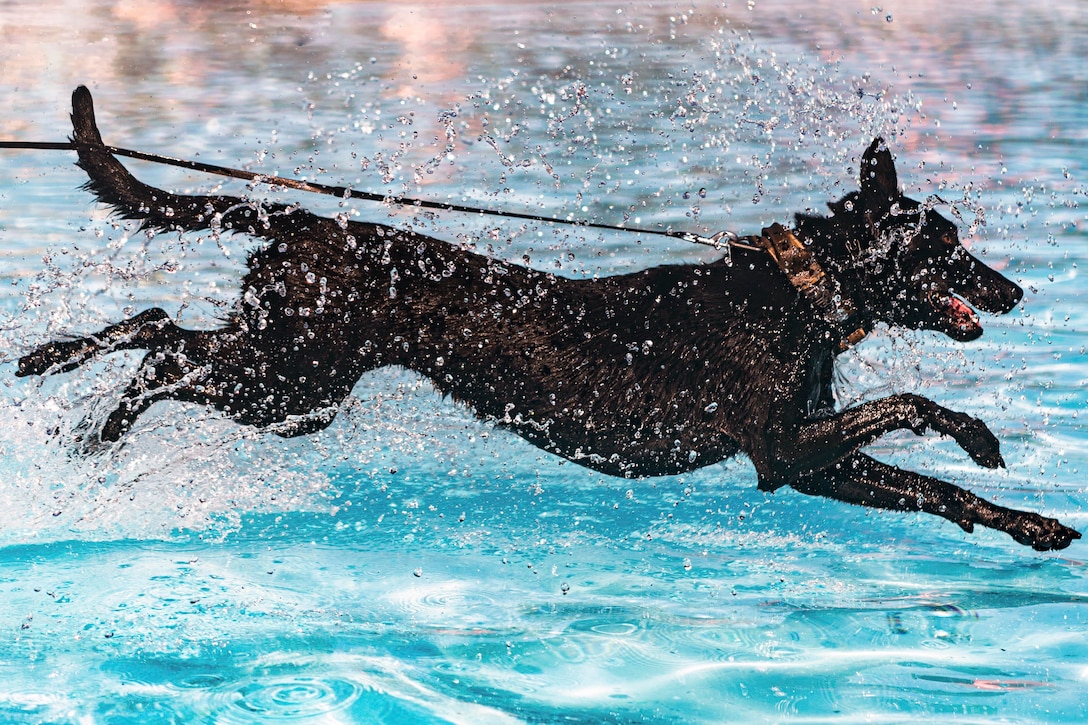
{"points": [[150, 329], [864, 481], [163, 375]]}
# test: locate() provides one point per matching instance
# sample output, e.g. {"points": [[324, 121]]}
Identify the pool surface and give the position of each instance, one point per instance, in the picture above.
{"points": [[411, 564]]}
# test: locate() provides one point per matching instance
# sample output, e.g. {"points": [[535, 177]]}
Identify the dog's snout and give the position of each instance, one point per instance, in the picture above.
{"points": [[997, 293], [985, 287]]}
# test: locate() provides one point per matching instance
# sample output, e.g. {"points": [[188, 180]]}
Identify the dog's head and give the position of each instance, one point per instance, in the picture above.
{"points": [[908, 264]]}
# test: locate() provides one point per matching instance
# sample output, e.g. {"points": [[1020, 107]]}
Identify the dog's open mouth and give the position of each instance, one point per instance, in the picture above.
{"points": [[962, 320]]}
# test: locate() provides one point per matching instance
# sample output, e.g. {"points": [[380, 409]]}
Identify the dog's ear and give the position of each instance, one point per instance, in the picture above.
{"points": [[879, 183]]}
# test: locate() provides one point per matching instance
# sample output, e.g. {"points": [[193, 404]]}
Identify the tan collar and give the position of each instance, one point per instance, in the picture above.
{"points": [[808, 277]]}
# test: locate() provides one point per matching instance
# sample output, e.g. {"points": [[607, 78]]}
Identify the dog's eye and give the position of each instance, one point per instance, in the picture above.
{"points": [[950, 238]]}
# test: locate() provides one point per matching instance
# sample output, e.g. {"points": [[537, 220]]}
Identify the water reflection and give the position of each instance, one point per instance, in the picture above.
{"points": [[963, 87]]}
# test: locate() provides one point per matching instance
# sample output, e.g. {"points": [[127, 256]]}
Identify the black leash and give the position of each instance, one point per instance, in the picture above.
{"points": [[721, 240]]}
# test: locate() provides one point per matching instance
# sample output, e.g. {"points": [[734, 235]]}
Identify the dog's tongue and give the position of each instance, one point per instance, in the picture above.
{"points": [[962, 315]]}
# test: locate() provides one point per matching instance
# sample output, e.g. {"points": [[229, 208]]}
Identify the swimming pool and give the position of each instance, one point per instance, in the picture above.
{"points": [[411, 564]]}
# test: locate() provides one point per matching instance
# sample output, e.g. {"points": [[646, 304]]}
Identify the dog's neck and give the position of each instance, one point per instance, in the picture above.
{"points": [[822, 290]]}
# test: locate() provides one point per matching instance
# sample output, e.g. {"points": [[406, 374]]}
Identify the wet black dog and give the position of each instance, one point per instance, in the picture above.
{"points": [[644, 374]]}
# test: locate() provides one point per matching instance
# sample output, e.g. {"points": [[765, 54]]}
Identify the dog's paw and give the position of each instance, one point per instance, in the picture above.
{"points": [[38, 361], [53, 357], [86, 437], [976, 438], [1039, 532]]}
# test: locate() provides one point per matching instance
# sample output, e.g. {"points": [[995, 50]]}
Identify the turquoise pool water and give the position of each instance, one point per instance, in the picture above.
{"points": [[414, 565]]}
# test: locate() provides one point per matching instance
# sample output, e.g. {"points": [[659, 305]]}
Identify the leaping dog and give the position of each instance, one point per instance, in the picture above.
{"points": [[651, 373]]}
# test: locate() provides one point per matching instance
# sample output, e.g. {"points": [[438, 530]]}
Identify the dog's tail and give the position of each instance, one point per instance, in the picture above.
{"points": [[112, 183]]}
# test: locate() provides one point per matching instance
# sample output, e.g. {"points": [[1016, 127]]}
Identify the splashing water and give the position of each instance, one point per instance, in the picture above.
{"points": [[412, 564]]}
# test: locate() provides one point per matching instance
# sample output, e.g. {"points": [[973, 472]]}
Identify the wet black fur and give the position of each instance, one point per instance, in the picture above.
{"points": [[645, 374]]}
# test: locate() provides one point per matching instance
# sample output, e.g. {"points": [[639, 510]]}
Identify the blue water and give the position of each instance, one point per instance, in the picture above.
{"points": [[414, 565]]}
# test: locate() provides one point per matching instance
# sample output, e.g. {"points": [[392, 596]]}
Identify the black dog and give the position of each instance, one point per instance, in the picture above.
{"points": [[644, 374]]}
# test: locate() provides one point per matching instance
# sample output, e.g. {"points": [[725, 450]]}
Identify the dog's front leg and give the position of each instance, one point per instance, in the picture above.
{"points": [[801, 448], [864, 481]]}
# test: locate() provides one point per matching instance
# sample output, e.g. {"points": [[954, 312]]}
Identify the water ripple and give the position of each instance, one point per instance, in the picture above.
{"points": [[290, 698]]}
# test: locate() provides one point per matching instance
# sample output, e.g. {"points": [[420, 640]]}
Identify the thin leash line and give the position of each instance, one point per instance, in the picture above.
{"points": [[719, 241]]}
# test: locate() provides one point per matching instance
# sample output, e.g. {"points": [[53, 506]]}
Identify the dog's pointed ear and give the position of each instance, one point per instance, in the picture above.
{"points": [[879, 183]]}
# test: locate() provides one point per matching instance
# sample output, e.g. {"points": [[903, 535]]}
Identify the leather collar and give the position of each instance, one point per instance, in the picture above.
{"points": [[809, 278]]}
